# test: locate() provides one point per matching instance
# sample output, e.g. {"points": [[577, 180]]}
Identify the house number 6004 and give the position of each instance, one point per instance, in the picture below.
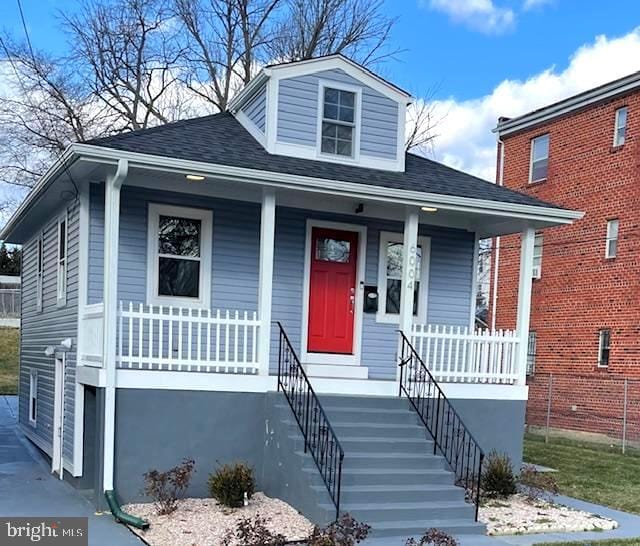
{"points": [[412, 266]]}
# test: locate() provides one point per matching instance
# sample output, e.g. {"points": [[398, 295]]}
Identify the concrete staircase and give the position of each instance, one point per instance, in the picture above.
{"points": [[391, 479]]}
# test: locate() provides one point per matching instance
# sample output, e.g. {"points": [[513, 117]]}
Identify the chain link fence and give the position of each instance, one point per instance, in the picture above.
{"points": [[598, 407]]}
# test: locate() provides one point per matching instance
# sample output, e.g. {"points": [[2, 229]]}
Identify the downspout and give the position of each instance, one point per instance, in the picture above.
{"points": [[496, 253], [109, 298]]}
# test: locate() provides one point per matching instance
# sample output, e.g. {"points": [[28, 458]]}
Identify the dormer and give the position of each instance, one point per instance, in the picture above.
{"points": [[327, 109]]}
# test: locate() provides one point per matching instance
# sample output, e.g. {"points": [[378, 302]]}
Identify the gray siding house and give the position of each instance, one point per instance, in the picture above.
{"points": [[279, 284]]}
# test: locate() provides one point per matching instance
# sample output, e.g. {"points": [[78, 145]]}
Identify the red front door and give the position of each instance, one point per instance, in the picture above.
{"points": [[332, 290]]}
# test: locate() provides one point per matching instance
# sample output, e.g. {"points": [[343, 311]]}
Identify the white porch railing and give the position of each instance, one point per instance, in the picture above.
{"points": [[185, 339], [454, 354]]}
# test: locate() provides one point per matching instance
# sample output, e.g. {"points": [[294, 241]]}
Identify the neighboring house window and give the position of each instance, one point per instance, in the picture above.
{"points": [[179, 250], [539, 158], [39, 271], [33, 396], [611, 248], [536, 273], [62, 259], [338, 122], [604, 348], [531, 352], [390, 278], [620, 127]]}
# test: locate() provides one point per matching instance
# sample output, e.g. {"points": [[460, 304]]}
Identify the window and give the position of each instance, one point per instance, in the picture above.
{"points": [[33, 396], [531, 352], [538, 243], [620, 126], [62, 260], [539, 158], [390, 277], [179, 269], [604, 348], [39, 271], [611, 246], [338, 122]]}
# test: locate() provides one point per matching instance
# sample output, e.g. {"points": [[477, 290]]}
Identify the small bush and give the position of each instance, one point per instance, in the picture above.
{"points": [[346, 531], [498, 481], [433, 537], [167, 488], [537, 485], [230, 482], [253, 532]]}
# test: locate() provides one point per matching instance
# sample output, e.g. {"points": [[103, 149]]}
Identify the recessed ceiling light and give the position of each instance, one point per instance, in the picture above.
{"points": [[195, 177], [429, 209]]}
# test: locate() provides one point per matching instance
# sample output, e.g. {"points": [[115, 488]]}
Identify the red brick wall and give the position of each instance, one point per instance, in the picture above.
{"points": [[580, 291]]}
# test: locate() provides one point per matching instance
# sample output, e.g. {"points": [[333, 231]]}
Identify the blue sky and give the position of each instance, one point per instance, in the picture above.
{"points": [[485, 58]]}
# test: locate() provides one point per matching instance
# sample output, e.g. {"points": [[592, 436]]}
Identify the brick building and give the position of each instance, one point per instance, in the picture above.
{"points": [[582, 153]]}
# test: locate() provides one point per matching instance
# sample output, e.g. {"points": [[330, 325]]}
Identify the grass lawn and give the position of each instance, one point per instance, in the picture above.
{"points": [[592, 472], [9, 360], [612, 542]]}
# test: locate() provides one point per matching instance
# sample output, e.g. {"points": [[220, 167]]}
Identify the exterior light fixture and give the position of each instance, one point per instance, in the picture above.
{"points": [[195, 177], [429, 209]]}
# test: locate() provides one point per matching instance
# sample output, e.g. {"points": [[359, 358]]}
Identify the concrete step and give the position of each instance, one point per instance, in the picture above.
{"points": [[370, 415], [378, 444], [375, 402], [395, 476], [388, 461], [395, 493], [347, 431], [405, 529], [380, 512], [338, 371]]}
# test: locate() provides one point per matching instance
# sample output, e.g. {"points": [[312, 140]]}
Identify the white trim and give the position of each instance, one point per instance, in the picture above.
{"points": [[58, 415], [401, 137], [271, 116], [524, 301], [251, 127], [317, 358], [265, 277], [33, 394], [248, 92], [423, 297], [474, 282], [62, 263], [532, 146], [617, 127], [155, 210], [410, 243], [538, 248], [609, 238], [354, 158]]}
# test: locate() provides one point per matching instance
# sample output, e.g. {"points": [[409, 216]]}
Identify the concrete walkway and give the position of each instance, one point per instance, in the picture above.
{"points": [[27, 487]]}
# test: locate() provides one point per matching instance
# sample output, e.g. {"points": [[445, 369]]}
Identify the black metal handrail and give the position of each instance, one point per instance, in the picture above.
{"points": [[449, 433], [319, 437]]}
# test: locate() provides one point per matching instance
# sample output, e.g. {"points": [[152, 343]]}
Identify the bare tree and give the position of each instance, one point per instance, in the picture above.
{"points": [[225, 42], [356, 28], [423, 117]]}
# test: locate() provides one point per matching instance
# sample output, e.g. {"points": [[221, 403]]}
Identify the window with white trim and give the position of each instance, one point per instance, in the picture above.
{"points": [[179, 265], [604, 347], [538, 243], [532, 347], [390, 278], [620, 129], [611, 246], [539, 159], [63, 231], [33, 396], [39, 271], [338, 129]]}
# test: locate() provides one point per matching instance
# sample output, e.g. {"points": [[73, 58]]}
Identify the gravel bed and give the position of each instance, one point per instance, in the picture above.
{"points": [[517, 515], [204, 522]]}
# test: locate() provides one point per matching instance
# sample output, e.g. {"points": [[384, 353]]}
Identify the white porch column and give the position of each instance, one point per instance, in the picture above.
{"points": [[109, 297], [524, 300], [265, 278], [409, 262]]}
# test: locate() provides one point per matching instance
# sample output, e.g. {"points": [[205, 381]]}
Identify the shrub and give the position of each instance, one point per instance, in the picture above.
{"points": [[167, 488], [253, 532], [230, 482], [537, 485], [498, 481], [346, 531], [433, 537]]}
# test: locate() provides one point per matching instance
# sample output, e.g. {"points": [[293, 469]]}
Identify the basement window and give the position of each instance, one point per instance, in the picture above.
{"points": [[539, 159], [604, 348]]}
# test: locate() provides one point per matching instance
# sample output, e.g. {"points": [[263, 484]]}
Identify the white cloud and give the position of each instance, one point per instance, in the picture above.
{"points": [[481, 15], [535, 4], [464, 138]]}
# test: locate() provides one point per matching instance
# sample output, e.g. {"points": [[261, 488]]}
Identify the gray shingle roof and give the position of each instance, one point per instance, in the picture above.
{"points": [[221, 139]]}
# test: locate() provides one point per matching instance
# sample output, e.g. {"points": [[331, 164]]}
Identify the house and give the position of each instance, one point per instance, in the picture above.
{"points": [[232, 288], [581, 153]]}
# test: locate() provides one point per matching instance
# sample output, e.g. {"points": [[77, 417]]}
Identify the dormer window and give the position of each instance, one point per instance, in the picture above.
{"points": [[338, 122]]}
